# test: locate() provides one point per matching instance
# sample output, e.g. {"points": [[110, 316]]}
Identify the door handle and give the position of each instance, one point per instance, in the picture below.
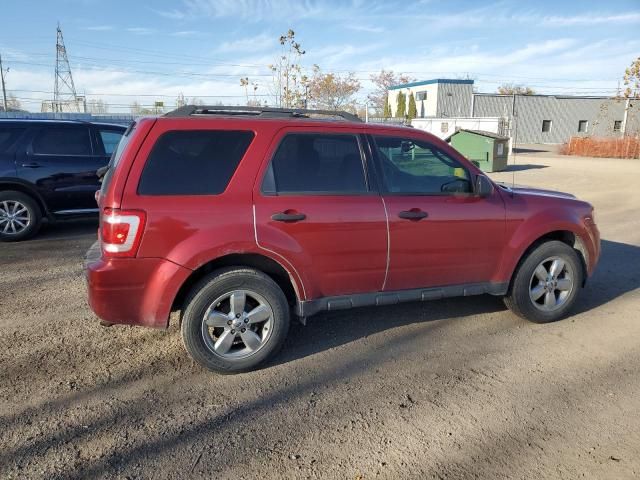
{"points": [[413, 214], [31, 165], [288, 217]]}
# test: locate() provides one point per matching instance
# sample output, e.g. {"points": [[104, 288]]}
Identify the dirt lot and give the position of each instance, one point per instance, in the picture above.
{"points": [[448, 389]]}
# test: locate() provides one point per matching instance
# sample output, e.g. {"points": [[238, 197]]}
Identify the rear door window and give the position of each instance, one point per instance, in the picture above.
{"points": [[193, 162], [68, 140], [8, 136], [110, 140], [309, 163]]}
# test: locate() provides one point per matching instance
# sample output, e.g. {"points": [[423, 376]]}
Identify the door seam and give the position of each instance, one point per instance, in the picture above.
{"points": [[255, 236], [386, 271]]}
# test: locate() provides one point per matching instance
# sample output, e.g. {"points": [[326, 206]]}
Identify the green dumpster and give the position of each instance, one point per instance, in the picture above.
{"points": [[489, 151]]}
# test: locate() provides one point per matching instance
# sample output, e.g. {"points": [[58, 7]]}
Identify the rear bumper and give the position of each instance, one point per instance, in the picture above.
{"points": [[132, 291]]}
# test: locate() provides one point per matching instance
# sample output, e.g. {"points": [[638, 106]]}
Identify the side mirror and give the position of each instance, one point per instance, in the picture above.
{"points": [[483, 186]]}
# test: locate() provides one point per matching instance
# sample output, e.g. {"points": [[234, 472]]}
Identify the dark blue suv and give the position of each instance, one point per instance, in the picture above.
{"points": [[48, 171]]}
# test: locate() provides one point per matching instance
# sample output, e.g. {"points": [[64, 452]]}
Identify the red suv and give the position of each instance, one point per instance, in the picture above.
{"points": [[238, 216]]}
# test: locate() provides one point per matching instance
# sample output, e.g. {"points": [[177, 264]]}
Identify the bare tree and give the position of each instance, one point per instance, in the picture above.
{"points": [[289, 83], [513, 89], [382, 82], [97, 106], [329, 91], [137, 109], [631, 80], [13, 103]]}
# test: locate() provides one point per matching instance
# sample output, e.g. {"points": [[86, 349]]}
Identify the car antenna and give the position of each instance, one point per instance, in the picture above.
{"points": [[514, 118]]}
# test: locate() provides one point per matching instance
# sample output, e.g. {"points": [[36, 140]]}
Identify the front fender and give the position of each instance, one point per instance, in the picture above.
{"points": [[524, 231]]}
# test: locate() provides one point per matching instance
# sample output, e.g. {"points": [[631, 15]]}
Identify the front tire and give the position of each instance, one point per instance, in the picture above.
{"points": [[234, 320], [546, 284], [20, 216]]}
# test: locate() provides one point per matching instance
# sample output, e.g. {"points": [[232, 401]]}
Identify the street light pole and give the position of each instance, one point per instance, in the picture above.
{"points": [[4, 91]]}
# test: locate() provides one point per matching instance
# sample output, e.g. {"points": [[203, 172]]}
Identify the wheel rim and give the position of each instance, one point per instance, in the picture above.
{"points": [[14, 217], [237, 324], [551, 284]]}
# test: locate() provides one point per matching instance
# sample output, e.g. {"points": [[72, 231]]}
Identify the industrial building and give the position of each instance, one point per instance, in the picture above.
{"points": [[528, 118]]}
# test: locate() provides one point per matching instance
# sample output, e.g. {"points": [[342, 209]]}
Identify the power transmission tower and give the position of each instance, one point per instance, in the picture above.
{"points": [[64, 92]]}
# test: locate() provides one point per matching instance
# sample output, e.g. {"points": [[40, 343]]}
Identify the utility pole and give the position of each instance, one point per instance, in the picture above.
{"points": [[4, 91]]}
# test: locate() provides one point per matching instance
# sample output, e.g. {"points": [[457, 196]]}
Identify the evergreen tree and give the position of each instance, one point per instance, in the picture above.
{"points": [[401, 109], [387, 108], [413, 110]]}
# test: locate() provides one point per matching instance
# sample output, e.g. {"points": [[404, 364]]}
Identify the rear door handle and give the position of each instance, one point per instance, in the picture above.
{"points": [[413, 214], [288, 217], [31, 165]]}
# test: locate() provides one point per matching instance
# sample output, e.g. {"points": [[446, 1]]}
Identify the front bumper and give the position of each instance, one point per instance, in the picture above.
{"points": [[133, 291], [593, 246]]}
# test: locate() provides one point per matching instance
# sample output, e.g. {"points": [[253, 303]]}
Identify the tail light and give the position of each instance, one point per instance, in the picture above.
{"points": [[121, 232]]}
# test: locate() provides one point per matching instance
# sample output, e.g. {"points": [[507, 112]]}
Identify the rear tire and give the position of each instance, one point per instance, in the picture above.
{"points": [[234, 320], [546, 284], [20, 216]]}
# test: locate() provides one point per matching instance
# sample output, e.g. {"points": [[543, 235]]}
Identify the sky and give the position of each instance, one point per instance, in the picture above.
{"points": [[147, 51]]}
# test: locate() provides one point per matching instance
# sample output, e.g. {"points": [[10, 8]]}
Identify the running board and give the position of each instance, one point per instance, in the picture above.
{"points": [[311, 307]]}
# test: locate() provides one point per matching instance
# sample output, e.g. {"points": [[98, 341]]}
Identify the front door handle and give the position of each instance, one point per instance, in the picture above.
{"points": [[288, 217], [413, 214], [31, 165]]}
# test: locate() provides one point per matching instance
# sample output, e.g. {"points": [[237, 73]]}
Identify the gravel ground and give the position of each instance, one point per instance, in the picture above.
{"points": [[456, 388]]}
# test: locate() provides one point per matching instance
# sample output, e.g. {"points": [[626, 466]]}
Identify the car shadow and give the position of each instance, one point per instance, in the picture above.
{"points": [[329, 330], [616, 274], [519, 168], [530, 150], [63, 229]]}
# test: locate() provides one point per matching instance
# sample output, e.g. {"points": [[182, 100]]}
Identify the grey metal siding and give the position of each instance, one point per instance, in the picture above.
{"points": [[564, 112], [454, 100]]}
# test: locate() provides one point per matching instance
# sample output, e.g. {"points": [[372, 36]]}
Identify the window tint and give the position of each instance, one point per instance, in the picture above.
{"points": [[411, 166], [194, 162], [63, 141], [110, 140], [8, 136], [307, 163]]}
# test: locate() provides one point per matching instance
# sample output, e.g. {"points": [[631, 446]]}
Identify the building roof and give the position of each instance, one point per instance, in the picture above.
{"points": [[545, 95], [482, 133], [431, 82]]}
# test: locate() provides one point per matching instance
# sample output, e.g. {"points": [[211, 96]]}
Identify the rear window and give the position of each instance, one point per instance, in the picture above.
{"points": [[8, 136], [63, 141], [193, 162]]}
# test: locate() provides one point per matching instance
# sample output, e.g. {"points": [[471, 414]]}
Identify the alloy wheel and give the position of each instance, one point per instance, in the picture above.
{"points": [[551, 284], [14, 217], [237, 324]]}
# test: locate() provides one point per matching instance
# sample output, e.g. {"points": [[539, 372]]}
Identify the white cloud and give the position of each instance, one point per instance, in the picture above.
{"points": [[364, 28], [140, 30], [249, 10], [257, 43], [591, 19], [100, 28], [186, 33]]}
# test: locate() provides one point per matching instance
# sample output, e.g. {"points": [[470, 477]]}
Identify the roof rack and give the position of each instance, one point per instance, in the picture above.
{"points": [[264, 112]]}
